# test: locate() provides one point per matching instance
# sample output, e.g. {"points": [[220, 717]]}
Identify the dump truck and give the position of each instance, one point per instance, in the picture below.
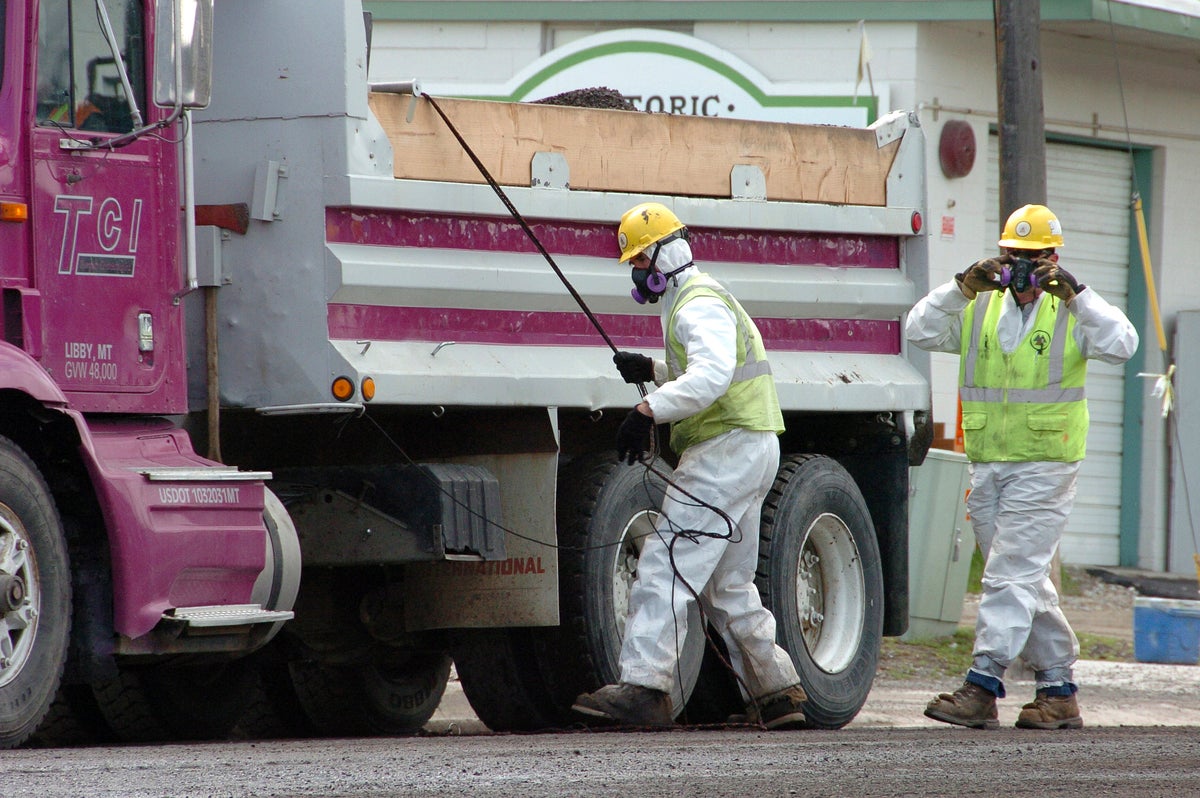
{"points": [[296, 413]]}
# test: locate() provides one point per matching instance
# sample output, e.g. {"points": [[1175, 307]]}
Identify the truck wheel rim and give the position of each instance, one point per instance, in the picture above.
{"points": [[830, 591], [18, 626], [625, 562]]}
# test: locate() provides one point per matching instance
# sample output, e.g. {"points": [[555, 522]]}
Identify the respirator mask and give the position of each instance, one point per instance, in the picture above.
{"points": [[1018, 274], [669, 257], [648, 285], [1017, 270]]}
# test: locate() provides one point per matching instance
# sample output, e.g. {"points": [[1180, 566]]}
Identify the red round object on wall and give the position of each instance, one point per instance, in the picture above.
{"points": [[956, 148]]}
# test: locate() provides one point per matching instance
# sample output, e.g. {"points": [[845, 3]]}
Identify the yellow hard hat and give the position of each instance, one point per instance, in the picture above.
{"points": [[643, 225], [1032, 227]]}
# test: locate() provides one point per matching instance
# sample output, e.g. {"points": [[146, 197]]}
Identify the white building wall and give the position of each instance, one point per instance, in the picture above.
{"points": [[467, 52]]}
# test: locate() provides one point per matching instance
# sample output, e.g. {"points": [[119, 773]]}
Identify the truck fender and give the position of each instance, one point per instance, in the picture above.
{"points": [[23, 373]]}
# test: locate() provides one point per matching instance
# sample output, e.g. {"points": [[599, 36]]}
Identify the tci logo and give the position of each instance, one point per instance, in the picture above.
{"points": [[110, 230]]}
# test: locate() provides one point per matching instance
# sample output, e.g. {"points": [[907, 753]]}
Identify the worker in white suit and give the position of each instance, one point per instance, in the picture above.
{"points": [[716, 391], [1024, 328]]}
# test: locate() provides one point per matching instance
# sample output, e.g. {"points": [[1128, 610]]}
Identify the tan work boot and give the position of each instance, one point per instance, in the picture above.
{"points": [[969, 705], [628, 705], [777, 711], [1050, 712], [783, 710]]}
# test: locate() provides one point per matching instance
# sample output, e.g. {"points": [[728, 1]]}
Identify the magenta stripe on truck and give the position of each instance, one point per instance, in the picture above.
{"points": [[539, 328], [502, 234]]}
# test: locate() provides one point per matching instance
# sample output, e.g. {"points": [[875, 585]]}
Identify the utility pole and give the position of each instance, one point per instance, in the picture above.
{"points": [[1022, 120], [1022, 123]]}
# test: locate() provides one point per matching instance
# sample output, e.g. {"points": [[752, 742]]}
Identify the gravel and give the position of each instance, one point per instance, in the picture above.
{"points": [[598, 97]]}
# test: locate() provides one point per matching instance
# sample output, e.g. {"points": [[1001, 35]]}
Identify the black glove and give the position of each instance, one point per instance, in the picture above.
{"points": [[1053, 279], [633, 437], [983, 275], [634, 368]]}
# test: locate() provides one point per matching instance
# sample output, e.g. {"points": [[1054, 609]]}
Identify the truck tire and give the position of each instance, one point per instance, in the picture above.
{"points": [[716, 696], [820, 574], [159, 703], [273, 710], [604, 508], [35, 597], [64, 726], [501, 676], [372, 698]]}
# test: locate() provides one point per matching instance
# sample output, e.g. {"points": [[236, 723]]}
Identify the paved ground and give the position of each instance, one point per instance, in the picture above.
{"points": [[1111, 693]]}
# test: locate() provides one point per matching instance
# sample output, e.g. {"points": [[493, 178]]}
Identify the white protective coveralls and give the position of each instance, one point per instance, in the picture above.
{"points": [[1020, 509], [733, 472]]}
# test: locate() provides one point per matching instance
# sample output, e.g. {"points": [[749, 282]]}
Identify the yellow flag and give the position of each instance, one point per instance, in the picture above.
{"points": [[864, 60]]}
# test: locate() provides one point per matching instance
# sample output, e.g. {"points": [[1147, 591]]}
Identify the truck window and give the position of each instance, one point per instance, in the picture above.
{"points": [[79, 85]]}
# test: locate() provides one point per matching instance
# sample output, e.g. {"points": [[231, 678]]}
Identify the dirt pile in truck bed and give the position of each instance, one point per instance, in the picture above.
{"points": [[597, 97]]}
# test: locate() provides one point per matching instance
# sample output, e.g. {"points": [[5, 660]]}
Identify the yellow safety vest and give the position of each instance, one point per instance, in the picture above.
{"points": [[751, 401], [1028, 405]]}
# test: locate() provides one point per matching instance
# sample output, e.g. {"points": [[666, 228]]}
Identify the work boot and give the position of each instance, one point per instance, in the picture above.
{"points": [[782, 710], [970, 706], [627, 705], [1050, 712]]}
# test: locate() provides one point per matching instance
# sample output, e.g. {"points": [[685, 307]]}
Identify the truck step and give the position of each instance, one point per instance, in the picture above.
{"points": [[226, 615], [197, 474]]}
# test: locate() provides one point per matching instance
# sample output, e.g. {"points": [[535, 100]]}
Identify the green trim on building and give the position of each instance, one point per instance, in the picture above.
{"points": [[732, 75], [635, 13], [1147, 19], [1131, 443]]}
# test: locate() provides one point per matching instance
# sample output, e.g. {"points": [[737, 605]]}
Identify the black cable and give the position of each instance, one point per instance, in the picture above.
{"points": [[692, 535], [512, 209]]}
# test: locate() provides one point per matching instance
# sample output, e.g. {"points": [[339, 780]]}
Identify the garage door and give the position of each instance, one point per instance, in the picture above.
{"points": [[1089, 188]]}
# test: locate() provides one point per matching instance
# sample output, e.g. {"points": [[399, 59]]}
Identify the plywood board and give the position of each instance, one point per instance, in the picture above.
{"points": [[635, 152]]}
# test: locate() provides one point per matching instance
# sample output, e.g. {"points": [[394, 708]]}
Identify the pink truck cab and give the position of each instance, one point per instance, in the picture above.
{"points": [[119, 543]]}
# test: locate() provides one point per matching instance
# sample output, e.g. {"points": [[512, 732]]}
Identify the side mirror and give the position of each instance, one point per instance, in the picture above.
{"points": [[183, 52]]}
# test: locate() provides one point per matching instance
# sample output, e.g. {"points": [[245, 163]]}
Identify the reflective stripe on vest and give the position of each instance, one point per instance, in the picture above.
{"points": [[750, 402], [1029, 404]]}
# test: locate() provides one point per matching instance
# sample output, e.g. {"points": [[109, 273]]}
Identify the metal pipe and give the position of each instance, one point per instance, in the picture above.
{"points": [[398, 87], [212, 363], [1095, 126], [189, 203], [119, 62]]}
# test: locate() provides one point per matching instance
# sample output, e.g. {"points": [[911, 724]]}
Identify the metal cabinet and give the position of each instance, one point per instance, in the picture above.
{"points": [[940, 544]]}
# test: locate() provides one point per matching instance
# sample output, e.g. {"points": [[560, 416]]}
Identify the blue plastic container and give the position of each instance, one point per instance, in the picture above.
{"points": [[1166, 630]]}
